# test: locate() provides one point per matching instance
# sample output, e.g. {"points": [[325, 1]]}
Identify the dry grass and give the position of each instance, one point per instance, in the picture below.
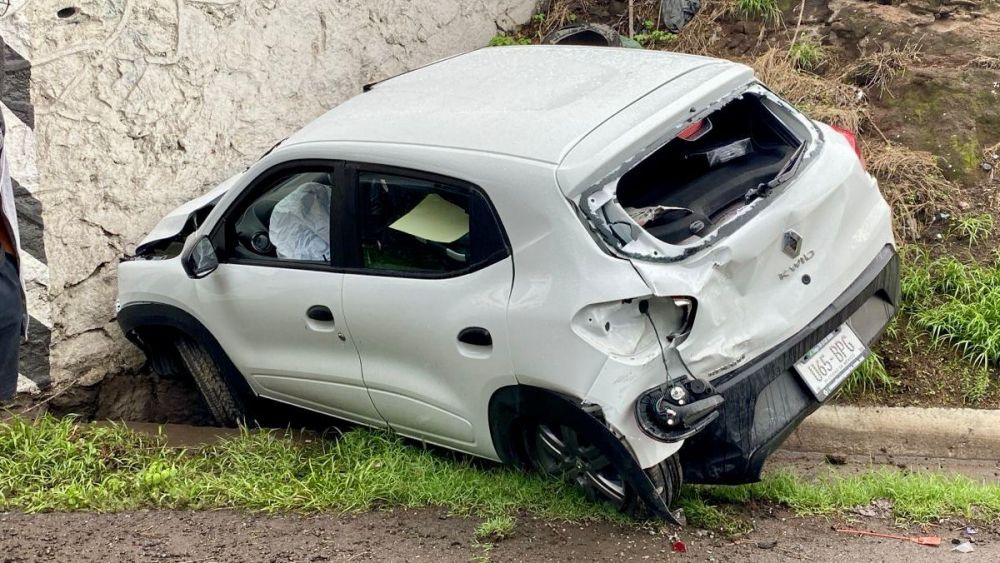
{"points": [[825, 100], [983, 61], [876, 70], [912, 183]]}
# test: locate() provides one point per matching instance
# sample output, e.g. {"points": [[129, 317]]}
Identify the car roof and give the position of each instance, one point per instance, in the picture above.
{"points": [[532, 102]]}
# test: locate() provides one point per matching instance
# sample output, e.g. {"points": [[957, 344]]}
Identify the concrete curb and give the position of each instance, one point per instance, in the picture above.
{"points": [[900, 431]]}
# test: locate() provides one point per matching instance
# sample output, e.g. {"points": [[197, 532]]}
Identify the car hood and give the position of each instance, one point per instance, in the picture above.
{"points": [[173, 223]]}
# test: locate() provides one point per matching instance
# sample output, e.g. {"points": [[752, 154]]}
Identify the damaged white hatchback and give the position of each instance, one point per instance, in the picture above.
{"points": [[608, 264]]}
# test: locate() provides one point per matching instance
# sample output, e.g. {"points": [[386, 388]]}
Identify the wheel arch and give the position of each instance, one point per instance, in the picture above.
{"points": [[510, 407], [152, 326]]}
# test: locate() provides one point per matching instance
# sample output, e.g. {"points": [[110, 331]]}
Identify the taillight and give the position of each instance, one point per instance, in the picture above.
{"points": [[852, 139]]}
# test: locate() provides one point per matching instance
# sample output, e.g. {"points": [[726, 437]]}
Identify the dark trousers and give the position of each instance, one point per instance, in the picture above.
{"points": [[11, 317]]}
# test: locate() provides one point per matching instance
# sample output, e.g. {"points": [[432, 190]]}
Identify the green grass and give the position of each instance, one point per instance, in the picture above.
{"points": [[56, 464], [495, 528], [766, 10], [651, 36], [806, 56], [920, 497], [957, 303], [870, 377], [504, 40], [973, 228]]}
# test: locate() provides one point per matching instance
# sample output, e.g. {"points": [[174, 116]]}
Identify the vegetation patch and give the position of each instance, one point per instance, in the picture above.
{"points": [[956, 302], [52, 464]]}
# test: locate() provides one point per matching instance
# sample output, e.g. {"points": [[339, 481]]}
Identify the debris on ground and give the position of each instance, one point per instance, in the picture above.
{"points": [[836, 459], [677, 545], [964, 547], [930, 541]]}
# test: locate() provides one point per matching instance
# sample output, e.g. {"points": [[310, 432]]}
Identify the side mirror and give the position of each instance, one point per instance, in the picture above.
{"points": [[198, 257]]}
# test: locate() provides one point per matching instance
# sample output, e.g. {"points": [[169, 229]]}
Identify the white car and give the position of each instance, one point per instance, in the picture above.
{"points": [[604, 263]]}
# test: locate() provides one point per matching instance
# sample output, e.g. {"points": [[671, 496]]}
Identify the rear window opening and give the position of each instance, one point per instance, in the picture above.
{"points": [[712, 168]]}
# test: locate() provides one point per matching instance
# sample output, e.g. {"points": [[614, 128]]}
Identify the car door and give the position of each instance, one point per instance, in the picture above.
{"points": [[275, 301], [427, 300]]}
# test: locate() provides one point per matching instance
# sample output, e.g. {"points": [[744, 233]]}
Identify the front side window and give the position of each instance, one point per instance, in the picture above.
{"points": [[290, 221], [422, 226]]}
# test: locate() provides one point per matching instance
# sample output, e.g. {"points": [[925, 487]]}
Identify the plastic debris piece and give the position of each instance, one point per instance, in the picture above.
{"points": [[964, 547], [930, 541], [678, 546], [970, 531], [767, 544]]}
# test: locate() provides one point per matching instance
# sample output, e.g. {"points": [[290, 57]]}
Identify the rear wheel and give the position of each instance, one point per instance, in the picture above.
{"points": [[561, 449], [226, 407]]}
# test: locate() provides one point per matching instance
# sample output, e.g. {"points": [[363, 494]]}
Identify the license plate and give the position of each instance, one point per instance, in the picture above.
{"points": [[829, 363]]}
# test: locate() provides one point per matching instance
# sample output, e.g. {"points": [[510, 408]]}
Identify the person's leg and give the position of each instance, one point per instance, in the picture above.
{"points": [[10, 326]]}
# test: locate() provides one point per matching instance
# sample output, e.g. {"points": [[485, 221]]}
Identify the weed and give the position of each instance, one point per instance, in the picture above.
{"points": [[651, 36], [495, 528], [538, 19], [913, 185], [764, 10], [876, 70], [976, 383], [806, 56], [973, 227], [504, 40], [957, 303], [870, 377]]}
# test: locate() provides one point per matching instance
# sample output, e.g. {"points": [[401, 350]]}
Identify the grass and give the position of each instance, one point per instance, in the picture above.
{"points": [[55, 464], [876, 70], [59, 465], [495, 528], [957, 303], [973, 227], [504, 40], [806, 56], [764, 10], [651, 36], [870, 377]]}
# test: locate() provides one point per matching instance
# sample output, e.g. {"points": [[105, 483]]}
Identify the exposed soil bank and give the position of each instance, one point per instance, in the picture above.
{"points": [[417, 535]]}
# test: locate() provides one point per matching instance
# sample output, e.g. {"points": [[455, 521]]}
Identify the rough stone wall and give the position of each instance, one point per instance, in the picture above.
{"points": [[140, 105]]}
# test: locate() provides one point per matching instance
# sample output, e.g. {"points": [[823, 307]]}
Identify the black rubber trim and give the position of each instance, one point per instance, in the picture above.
{"points": [[733, 449], [144, 318]]}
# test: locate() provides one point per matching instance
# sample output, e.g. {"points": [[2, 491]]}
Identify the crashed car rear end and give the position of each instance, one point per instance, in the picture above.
{"points": [[774, 245]]}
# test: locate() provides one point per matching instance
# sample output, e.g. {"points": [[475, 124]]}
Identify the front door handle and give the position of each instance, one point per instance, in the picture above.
{"points": [[320, 313], [475, 336]]}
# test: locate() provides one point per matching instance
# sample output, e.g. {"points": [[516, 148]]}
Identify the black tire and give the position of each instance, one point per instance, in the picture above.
{"points": [[589, 467], [226, 407]]}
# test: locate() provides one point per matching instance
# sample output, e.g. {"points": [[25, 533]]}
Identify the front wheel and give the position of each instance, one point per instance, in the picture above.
{"points": [[561, 449], [225, 405]]}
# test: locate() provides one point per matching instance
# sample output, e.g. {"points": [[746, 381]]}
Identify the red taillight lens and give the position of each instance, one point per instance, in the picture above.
{"points": [[852, 139]]}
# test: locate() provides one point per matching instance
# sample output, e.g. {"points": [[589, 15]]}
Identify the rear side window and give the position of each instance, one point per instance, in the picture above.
{"points": [[417, 226]]}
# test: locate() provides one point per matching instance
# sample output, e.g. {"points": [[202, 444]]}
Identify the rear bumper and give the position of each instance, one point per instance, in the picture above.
{"points": [[765, 399]]}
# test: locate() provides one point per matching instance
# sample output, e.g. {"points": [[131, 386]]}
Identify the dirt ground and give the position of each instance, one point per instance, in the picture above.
{"points": [[430, 535]]}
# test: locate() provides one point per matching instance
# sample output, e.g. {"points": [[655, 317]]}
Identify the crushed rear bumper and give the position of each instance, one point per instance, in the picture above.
{"points": [[765, 399]]}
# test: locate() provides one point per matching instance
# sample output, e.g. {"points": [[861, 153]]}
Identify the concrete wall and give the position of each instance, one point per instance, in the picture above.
{"points": [[123, 109]]}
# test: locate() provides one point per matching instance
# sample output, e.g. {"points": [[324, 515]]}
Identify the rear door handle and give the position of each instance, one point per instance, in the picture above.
{"points": [[320, 313], [475, 336]]}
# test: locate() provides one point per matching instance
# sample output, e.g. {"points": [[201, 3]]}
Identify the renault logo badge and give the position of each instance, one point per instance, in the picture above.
{"points": [[791, 243]]}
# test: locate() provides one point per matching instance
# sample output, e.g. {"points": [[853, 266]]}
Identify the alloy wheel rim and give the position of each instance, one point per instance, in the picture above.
{"points": [[559, 450]]}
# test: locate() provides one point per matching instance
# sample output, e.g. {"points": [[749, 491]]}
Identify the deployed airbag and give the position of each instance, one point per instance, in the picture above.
{"points": [[300, 224]]}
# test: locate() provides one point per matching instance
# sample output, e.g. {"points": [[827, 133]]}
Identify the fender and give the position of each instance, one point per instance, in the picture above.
{"points": [[148, 325]]}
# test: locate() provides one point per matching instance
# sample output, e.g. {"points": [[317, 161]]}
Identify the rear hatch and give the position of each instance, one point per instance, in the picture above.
{"points": [[759, 214]]}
